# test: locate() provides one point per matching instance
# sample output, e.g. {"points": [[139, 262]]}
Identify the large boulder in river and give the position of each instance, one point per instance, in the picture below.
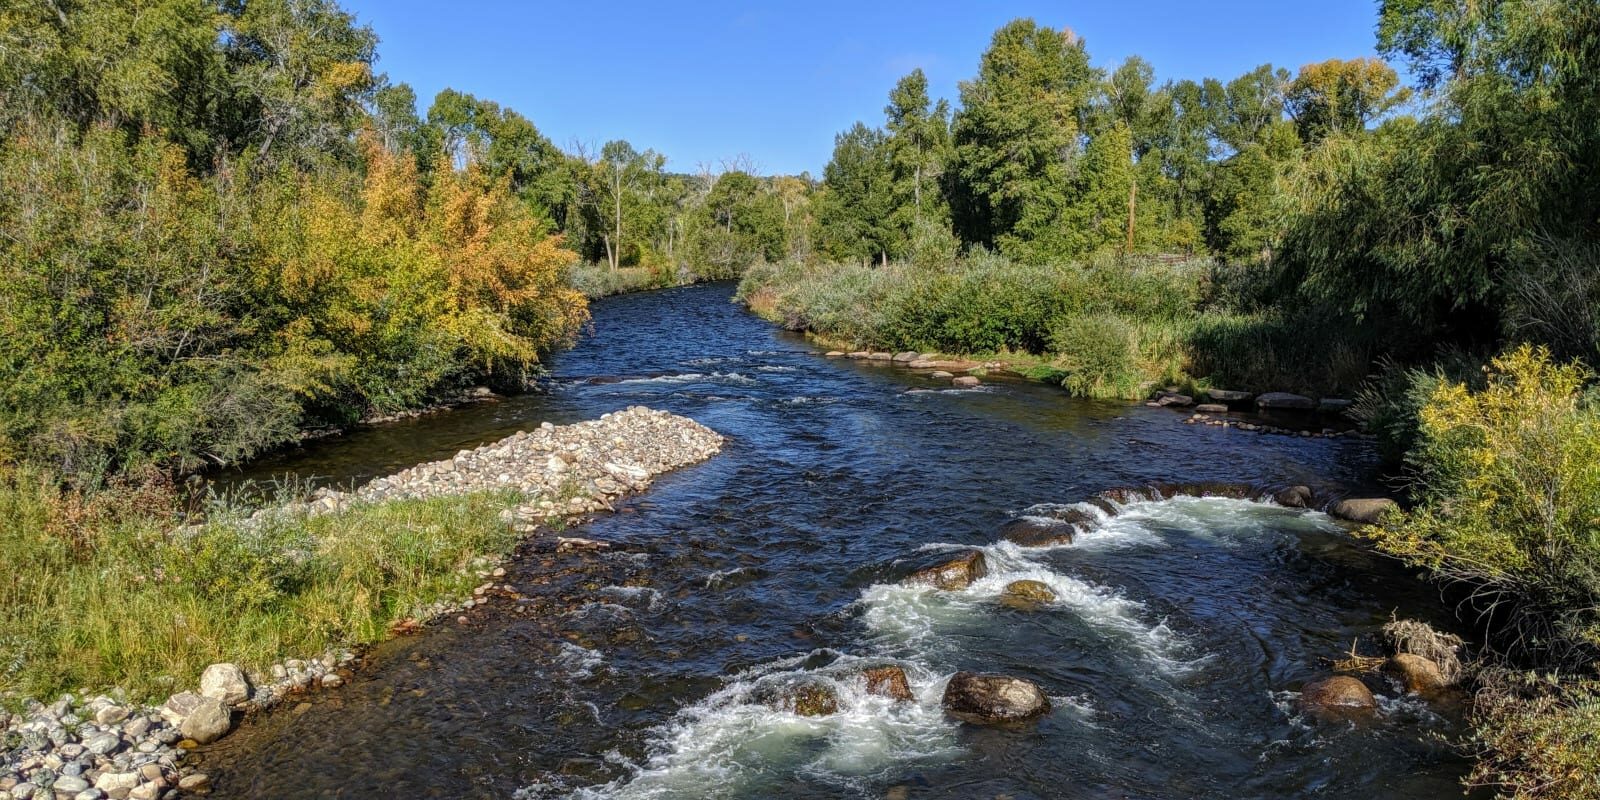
{"points": [[988, 699], [1417, 674], [1038, 532], [1365, 510], [1338, 697], [1286, 402], [952, 574], [888, 681], [1293, 497], [1026, 595]]}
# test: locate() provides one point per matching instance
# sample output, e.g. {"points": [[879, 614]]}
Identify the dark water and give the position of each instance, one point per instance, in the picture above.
{"points": [[1181, 630]]}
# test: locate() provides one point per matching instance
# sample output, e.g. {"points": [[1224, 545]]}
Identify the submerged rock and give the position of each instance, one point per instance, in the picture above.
{"points": [[1367, 511], [940, 374], [965, 382], [987, 699], [809, 699], [1338, 697], [1026, 595], [888, 681], [954, 574]]}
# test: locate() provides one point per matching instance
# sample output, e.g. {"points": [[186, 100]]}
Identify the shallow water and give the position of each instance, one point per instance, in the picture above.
{"points": [[1181, 629]]}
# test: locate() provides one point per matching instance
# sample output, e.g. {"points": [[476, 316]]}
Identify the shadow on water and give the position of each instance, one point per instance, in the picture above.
{"points": [[1180, 630]]}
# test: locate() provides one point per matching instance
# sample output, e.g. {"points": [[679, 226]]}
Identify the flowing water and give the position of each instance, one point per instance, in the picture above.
{"points": [[1181, 630]]}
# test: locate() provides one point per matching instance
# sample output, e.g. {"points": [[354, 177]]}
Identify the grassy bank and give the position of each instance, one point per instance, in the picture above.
{"points": [[1109, 327], [106, 591]]}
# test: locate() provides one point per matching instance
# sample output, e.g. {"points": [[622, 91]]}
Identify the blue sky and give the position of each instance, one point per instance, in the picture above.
{"points": [[707, 81]]}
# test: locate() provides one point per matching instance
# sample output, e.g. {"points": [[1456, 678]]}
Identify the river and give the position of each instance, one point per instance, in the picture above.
{"points": [[1181, 629]]}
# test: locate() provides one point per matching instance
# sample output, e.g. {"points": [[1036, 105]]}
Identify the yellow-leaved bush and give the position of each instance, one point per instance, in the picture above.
{"points": [[1508, 483]]}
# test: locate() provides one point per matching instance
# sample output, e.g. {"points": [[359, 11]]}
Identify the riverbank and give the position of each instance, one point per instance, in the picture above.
{"points": [[107, 593], [597, 280]]}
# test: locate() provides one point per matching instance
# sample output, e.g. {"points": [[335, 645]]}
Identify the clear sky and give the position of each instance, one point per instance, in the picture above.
{"points": [[705, 81]]}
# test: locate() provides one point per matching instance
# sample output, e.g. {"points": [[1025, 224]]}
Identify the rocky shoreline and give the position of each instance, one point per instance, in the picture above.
{"points": [[91, 747]]}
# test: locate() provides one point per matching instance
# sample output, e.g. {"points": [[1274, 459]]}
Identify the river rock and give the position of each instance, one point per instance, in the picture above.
{"points": [[880, 356], [834, 353], [103, 744], [1340, 696], [808, 699], [1229, 396], [1367, 511], [955, 574], [1417, 674], [1173, 399], [195, 783], [986, 699], [1334, 405], [1293, 497], [953, 365], [858, 354], [179, 706], [69, 784], [941, 375], [1026, 595], [117, 784], [965, 382], [209, 721], [888, 681], [225, 682], [1038, 532], [1211, 408], [1286, 401], [906, 357]]}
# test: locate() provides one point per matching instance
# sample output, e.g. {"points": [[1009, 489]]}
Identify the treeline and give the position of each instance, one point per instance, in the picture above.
{"points": [[1048, 159]]}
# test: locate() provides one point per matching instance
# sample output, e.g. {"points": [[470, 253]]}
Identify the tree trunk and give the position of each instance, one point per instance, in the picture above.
{"points": [[615, 253], [1133, 199]]}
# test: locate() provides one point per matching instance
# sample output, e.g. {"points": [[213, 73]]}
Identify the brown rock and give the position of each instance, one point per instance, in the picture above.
{"points": [[1293, 497], [1211, 408], [957, 573], [906, 357], [940, 374], [888, 681], [1367, 511], [1026, 595], [1340, 696], [1036, 532], [965, 382], [987, 699], [1228, 396], [810, 699], [1417, 674]]}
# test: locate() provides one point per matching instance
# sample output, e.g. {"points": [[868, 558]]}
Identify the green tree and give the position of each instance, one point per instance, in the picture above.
{"points": [[856, 211], [919, 149], [1016, 136]]}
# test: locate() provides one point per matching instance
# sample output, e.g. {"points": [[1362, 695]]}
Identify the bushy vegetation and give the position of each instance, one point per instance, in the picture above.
{"points": [[103, 589], [1110, 327], [1508, 484], [1538, 737]]}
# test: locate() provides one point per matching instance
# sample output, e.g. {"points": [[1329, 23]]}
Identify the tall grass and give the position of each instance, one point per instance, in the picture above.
{"points": [[108, 591], [1113, 327]]}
